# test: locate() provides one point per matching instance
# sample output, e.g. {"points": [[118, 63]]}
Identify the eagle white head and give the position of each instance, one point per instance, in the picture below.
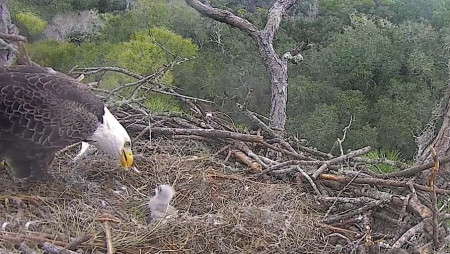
{"points": [[112, 138]]}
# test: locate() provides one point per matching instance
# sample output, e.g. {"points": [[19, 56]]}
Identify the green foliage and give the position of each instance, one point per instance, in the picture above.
{"points": [[397, 123], [33, 24], [163, 103], [320, 127], [392, 155], [149, 50], [120, 27]]}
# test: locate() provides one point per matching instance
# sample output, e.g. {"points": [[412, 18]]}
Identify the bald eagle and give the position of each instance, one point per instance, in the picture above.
{"points": [[43, 111]]}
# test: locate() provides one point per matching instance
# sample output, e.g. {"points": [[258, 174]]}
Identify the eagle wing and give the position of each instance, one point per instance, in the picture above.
{"points": [[46, 107]]}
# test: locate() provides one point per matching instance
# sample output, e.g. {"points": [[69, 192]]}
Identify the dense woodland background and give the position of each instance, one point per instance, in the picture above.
{"points": [[381, 62]]}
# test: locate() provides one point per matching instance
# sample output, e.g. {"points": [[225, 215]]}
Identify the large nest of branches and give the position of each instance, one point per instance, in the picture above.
{"points": [[219, 209], [236, 191]]}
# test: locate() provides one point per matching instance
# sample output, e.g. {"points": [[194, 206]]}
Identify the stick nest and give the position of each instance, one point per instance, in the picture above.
{"points": [[219, 210]]}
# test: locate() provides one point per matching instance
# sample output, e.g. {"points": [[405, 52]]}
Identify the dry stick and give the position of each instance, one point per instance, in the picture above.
{"points": [[13, 37], [3, 251], [397, 164], [296, 155], [211, 133], [106, 227], [21, 237], [266, 128], [73, 245], [243, 147], [338, 229], [340, 159], [402, 215], [338, 195], [53, 249], [360, 210], [311, 150], [25, 249], [434, 207], [340, 141], [413, 170], [311, 181], [242, 157], [356, 201], [407, 235], [368, 226], [93, 70], [381, 182], [426, 248]]}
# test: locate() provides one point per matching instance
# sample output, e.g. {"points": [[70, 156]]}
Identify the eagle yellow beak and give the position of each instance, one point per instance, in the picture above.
{"points": [[126, 158]]}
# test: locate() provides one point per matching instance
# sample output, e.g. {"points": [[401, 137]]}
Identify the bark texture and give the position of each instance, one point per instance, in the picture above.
{"points": [[275, 65], [8, 51]]}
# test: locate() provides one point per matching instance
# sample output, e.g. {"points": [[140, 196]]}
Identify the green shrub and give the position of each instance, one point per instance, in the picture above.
{"points": [[32, 23]]}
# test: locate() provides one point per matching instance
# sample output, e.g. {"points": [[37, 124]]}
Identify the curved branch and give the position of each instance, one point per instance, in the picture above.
{"points": [[224, 16]]}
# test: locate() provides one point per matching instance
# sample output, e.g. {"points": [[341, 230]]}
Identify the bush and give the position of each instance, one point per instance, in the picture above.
{"points": [[33, 24]]}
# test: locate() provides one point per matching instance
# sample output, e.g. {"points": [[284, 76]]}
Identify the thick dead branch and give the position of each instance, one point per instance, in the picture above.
{"points": [[210, 133], [379, 182], [224, 16], [241, 157], [413, 170]]}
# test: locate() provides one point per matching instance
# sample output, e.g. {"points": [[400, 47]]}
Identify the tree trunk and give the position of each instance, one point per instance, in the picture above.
{"points": [[441, 141], [276, 67], [8, 53]]}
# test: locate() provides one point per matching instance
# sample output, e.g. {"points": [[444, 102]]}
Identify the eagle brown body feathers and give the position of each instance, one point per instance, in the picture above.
{"points": [[41, 112]]}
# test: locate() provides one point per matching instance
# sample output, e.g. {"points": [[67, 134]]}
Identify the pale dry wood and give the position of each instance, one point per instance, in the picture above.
{"points": [[340, 159], [73, 245], [380, 182], [242, 157], [53, 249], [210, 133], [25, 249]]}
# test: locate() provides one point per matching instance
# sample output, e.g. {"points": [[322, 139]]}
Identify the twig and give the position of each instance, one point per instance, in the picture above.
{"points": [[434, 206], [73, 245], [53, 249], [369, 206], [340, 141], [338, 195], [340, 159], [310, 180], [106, 227], [338, 229], [407, 235], [293, 154]]}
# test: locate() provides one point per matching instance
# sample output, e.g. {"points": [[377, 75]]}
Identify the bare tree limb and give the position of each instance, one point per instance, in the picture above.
{"points": [[224, 16]]}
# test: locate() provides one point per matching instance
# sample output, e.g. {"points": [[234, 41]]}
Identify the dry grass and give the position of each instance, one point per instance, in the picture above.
{"points": [[220, 210]]}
